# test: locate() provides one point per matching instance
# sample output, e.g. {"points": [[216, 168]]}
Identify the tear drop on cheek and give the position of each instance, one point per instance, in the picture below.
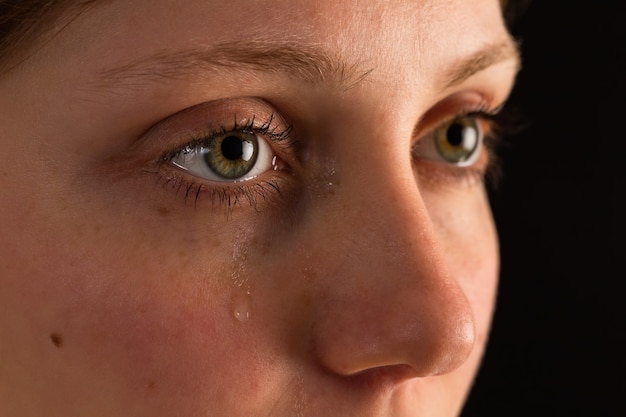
{"points": [[241, 307], [240, 285]]}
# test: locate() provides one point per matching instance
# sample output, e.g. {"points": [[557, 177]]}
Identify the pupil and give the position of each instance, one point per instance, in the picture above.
{"points": [[455, 134], [232, 148]]}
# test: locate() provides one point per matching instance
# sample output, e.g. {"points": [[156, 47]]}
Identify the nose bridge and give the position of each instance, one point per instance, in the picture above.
{"points": [[378, 214], [381, 217], [388, 296]]}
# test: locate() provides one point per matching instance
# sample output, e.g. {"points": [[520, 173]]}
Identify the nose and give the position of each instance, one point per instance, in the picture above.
{"points": [[387, 298]]}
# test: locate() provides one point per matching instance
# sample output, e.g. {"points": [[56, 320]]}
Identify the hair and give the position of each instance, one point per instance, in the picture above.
{"points": [[23, 24]]}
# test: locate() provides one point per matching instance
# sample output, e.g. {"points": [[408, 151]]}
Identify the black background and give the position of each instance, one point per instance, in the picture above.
{"points": [[558, 343]]}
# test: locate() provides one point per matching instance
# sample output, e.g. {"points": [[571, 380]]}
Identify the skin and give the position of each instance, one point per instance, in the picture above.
{"points": [[364, 288]]}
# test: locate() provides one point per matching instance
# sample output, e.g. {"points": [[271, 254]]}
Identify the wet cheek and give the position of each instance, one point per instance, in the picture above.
{"points": [[129, 319], [167, 333]]}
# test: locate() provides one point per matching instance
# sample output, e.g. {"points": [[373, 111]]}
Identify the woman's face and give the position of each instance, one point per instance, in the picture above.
{"points": [[250, 208]]}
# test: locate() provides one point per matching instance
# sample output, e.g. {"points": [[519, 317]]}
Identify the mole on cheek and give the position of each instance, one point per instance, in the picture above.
{"points": [[163, 211], [57, 339]]}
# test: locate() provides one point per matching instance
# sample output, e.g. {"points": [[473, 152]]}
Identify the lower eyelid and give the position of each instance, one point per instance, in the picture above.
{"points": [[267, 190], [437, 173]]}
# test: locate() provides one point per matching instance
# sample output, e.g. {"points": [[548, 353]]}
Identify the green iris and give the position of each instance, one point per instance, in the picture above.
{"points": [[458, 140], [232, 155]]}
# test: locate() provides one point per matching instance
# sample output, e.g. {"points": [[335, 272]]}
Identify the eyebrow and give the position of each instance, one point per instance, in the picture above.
{"points": [[304, 62], [506, 50]]}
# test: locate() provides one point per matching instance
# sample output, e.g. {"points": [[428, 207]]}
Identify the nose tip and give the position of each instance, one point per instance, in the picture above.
{"points": [[451, 343], [427, 332]]}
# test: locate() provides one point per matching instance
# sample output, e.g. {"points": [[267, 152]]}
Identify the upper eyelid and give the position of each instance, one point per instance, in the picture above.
{"points": [[282, 136], [196, 124], [452, 108]]}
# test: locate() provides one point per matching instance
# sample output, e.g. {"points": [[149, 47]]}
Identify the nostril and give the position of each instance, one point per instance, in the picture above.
{"points": [[382, 376]]}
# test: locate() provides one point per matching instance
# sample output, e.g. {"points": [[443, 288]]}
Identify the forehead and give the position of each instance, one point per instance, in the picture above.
{"points": [[390, 33]]}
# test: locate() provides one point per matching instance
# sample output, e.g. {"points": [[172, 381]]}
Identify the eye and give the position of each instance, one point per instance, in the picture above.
{"points": [[458, 142], [238, 155]]}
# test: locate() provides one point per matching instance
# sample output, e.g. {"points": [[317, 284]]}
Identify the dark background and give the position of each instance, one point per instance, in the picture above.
{"points": [[558, 344]]}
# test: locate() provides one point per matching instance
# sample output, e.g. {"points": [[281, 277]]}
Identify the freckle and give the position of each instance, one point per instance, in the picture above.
{"points": [[57, 339], [152, 385], [163, 211]]}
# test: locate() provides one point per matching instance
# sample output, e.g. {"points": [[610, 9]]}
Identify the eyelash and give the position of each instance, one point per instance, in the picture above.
{"points": [[498, 121], [253, 191], [280, 136]]}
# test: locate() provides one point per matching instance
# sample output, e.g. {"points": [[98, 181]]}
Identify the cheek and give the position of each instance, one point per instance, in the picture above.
{"points": [[137, 315]]}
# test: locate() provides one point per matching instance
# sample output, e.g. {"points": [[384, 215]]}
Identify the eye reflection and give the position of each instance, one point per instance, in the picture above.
{"points": [[230, 156]]}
